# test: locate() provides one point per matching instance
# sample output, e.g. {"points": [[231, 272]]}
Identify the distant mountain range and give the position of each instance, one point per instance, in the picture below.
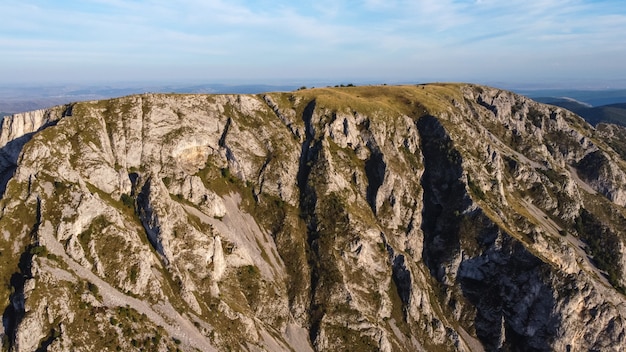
{"points": [[596, 97], [595, 106], [612, 113], [26, 98]]}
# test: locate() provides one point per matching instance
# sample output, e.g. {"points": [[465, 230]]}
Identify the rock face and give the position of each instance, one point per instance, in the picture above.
{"points": [[431, 217]]}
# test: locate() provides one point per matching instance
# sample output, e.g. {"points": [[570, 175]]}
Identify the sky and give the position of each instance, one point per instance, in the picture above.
{"points": [[566, 42]]}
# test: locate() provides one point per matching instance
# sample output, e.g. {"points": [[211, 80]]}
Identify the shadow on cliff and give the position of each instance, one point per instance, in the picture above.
{"points": [[444, 196], [9, 157], [508, 287], [308, 199], [10, 153], [502, 280], [16, 310]]}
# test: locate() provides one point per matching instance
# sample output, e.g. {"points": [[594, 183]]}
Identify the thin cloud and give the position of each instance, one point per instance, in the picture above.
{"points": [[331, 34]]}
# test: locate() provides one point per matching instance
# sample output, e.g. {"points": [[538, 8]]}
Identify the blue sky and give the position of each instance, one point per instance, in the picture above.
{"points": [[513, 41]]}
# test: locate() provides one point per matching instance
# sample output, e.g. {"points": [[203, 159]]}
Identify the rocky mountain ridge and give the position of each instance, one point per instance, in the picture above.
{"points": [[429, 217]]}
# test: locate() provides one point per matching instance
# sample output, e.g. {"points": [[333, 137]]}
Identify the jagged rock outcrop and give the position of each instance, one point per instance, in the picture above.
{"points": [[17, 130], [443, 216]]}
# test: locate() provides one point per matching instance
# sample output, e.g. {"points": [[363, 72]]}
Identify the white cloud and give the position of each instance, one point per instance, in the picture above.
{"points": [[331, 33]]}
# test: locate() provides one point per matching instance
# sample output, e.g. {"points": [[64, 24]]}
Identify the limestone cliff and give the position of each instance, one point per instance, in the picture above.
{"points": [[431, 217]]}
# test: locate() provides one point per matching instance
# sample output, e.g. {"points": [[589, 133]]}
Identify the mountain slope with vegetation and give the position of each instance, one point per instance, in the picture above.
{"points": [[448, 217]]}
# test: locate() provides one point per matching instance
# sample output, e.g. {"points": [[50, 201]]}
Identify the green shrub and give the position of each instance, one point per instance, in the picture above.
{"points": [[133, 274], [93, 288], [38, 250], [127, 200]]}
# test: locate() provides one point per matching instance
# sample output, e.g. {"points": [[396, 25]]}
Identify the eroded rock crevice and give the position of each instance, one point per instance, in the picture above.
{"points": [[149, 218], [445, 196], [515, 307], [498, 276], [375, 168], [15, 311], [309, 155]]}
